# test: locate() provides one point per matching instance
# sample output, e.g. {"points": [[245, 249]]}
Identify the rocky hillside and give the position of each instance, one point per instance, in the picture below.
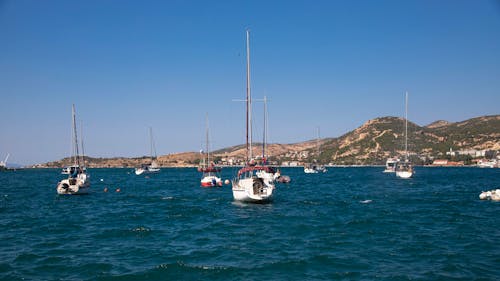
{"points": [[186, 159], [371, 143], [383, 137]]}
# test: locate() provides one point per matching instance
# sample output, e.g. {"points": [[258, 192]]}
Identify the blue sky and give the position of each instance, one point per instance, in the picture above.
{"points": [[128, 65]]}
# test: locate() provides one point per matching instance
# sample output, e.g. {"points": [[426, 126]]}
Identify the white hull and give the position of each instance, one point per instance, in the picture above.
{"points": [[389, 171], [211, 181], [404, 174], [310, 171], [315, 170], [252, 190], [487, 164], [490, 195], [140, 171], [74, 186]]}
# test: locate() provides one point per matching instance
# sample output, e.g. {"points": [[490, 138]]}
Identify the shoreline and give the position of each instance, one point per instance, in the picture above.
{"points": [[278, 166]]}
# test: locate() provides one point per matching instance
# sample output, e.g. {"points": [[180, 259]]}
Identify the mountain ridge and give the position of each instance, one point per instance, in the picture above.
{"points": [[371, 143]]}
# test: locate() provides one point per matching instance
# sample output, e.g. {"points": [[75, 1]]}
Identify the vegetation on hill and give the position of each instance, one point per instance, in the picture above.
{"points": [[371, 143]]}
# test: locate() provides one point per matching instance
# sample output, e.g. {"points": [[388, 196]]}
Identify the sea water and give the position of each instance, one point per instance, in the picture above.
{"points": [[347, 224]]}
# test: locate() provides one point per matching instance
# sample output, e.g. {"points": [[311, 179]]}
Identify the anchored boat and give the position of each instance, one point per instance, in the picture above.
{"points": [[211, 173], [404, 169], [315, 167], [78, 181], [153, 166], [253, 183], [390, 165]]}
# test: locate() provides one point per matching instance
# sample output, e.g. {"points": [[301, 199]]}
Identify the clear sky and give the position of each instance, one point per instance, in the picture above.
{"points": [[128, 65]]}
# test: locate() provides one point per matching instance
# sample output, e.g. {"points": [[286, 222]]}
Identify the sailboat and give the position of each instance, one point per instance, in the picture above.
{"points": [[314, 168], [210, 172], [78, 181], [390, 164], [153, 166], [3, 164], [270, 174], [248, 186], [404, 169]]}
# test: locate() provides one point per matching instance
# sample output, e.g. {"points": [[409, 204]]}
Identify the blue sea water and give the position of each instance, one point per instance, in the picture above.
{"points": [[347, 224]]}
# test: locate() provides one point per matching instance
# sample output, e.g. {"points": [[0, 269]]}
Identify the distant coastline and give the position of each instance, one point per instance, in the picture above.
{"points": [[449, 144]]}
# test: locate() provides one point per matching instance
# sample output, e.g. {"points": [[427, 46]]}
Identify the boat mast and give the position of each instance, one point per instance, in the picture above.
{"points": [[406, 127], [75, 139], [152, 144], [83, 148], [207, 142], [264, 139], [317, 143], [249, 104]]}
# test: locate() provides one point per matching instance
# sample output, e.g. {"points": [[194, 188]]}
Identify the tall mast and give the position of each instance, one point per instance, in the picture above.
{"points": [[317, 142], [83, 148], [406, 126], [152, 144], [264, 137], [207, 142], [75, 140], [249, 103]]}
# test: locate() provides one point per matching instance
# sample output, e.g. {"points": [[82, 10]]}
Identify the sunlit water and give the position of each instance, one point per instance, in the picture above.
{"points": [[350, 223]]}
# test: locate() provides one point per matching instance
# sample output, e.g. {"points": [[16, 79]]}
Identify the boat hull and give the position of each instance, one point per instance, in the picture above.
{"points": [[310, 171], [73, 187], [252, 190], [404, 174], [141, 171], [211, 181], [315, 169]]}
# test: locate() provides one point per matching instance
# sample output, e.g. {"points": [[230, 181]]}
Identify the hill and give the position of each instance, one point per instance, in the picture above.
{"points": [[371, 143], [383, 137]]}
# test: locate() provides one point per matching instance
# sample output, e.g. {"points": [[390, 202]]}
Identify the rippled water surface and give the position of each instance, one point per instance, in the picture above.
{"points": [[351, 223]]}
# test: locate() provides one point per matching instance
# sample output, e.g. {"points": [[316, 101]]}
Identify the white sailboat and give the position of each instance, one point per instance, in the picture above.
{"points": [[78, 181], [210, 176], [152, 167], [248, 186], [314, 168], [310, 169], [271, 173], [404, 169], [3, 164], [485, 163], [390, 164]]}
